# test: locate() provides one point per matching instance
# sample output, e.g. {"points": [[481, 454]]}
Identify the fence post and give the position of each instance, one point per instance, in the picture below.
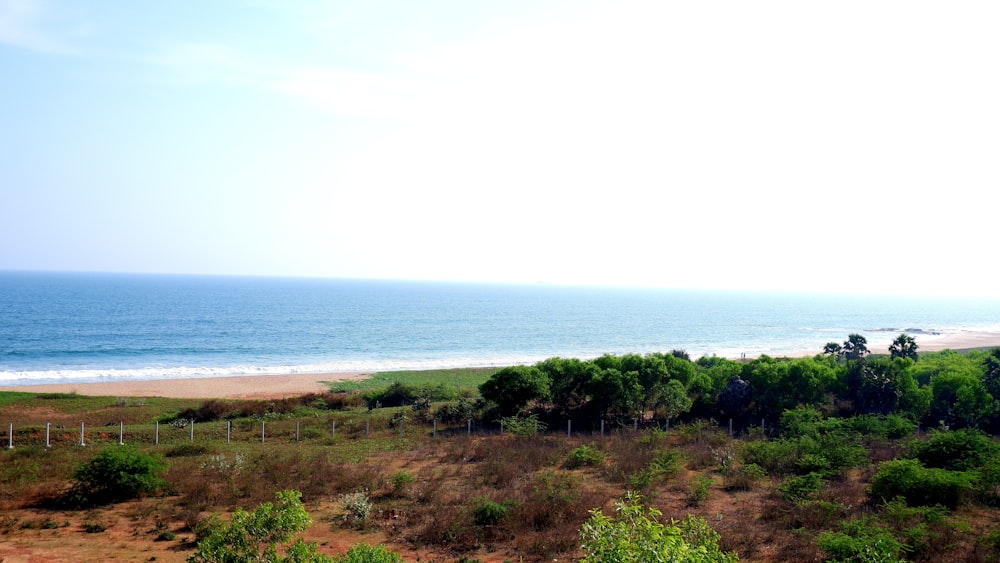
{"points": [[121, 433], [192, 430], [296, 431], [261, 431], [229, 431], [10, 437], [730, 427], [602, 428], [48, 426], [82, 442], [569, 428], [156, 434]]}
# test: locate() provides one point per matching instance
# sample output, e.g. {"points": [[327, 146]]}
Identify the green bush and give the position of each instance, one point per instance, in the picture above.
{"points": [[635, 534], [919, 485], [364, 553], [584, 456], [959, 450], [258, 535], [892, 427], [116, 474], [801, 487], [860, 542], [701, 488], [401, 480], [490, 513]]}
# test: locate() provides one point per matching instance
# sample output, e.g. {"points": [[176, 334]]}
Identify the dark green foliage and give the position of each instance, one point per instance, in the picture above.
{"points": [[904, 346], [116, 474], [512, 388], [891, 427], [401, 394], [919, 485], [457, 411], [735, 398], [959, 450]]}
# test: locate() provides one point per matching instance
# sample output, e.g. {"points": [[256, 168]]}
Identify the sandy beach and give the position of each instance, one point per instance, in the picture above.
{"points": [[237, 387], [278, 386]]}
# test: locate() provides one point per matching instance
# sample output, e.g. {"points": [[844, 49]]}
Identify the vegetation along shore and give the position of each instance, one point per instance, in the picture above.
{"points": [[846, 455]]}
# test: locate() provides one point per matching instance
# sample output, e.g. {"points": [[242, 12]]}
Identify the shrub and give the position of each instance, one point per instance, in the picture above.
{"points": [[356, 506], [919, 485], [257, 535], [744, 477], [401, 480], [490, 513], [584, 456], [116, 474], [801, 487], [701, 487], [364, 553], [523, 426], [959, 450], [635, 534]]}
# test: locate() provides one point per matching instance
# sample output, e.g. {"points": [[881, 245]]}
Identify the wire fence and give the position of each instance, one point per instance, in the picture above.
{"points": [[284, 431]]}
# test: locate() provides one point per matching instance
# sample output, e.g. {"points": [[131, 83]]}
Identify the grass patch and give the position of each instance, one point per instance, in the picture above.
{"points": [[462, 378]]}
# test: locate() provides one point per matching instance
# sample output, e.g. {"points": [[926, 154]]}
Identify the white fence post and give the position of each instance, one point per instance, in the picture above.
{"points": [[82, 442], [121, 433], [48, 427], [156, 434], [10, 437]]}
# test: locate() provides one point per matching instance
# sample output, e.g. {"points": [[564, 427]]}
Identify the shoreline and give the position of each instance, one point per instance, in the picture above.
{"points": [[291, 385]]}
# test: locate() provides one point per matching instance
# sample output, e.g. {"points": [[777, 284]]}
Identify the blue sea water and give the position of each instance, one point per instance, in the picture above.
{"points": [[75, 327]]}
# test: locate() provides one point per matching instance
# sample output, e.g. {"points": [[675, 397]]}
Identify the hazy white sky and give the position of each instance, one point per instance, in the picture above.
{"points": [[795, 145]]}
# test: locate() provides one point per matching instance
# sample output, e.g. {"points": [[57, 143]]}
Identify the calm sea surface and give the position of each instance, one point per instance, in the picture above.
{"points": [[62, 327]]}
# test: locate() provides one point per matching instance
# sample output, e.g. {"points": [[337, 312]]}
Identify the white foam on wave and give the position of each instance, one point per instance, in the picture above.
{"points": [[13, 378]]}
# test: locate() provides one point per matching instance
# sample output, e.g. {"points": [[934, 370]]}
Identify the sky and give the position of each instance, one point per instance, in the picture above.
{"points": [[770, 145]]}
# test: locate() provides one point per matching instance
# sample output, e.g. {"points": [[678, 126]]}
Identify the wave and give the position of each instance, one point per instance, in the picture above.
{"points": [[17, 378]]}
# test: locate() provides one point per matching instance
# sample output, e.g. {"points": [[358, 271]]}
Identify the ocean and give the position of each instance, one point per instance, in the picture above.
{"points": [[77, 327]]}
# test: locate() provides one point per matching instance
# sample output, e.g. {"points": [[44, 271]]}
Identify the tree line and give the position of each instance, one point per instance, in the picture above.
{"points": [[946, 388]]}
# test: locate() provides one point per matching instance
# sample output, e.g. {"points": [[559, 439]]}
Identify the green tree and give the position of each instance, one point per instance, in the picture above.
{"points": [[960, 399], [615, 392], [904, 346], [675, 400], [512, 388], [634, 535], [568, 381], [855, 347], [116, 474], [256, 536]]}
